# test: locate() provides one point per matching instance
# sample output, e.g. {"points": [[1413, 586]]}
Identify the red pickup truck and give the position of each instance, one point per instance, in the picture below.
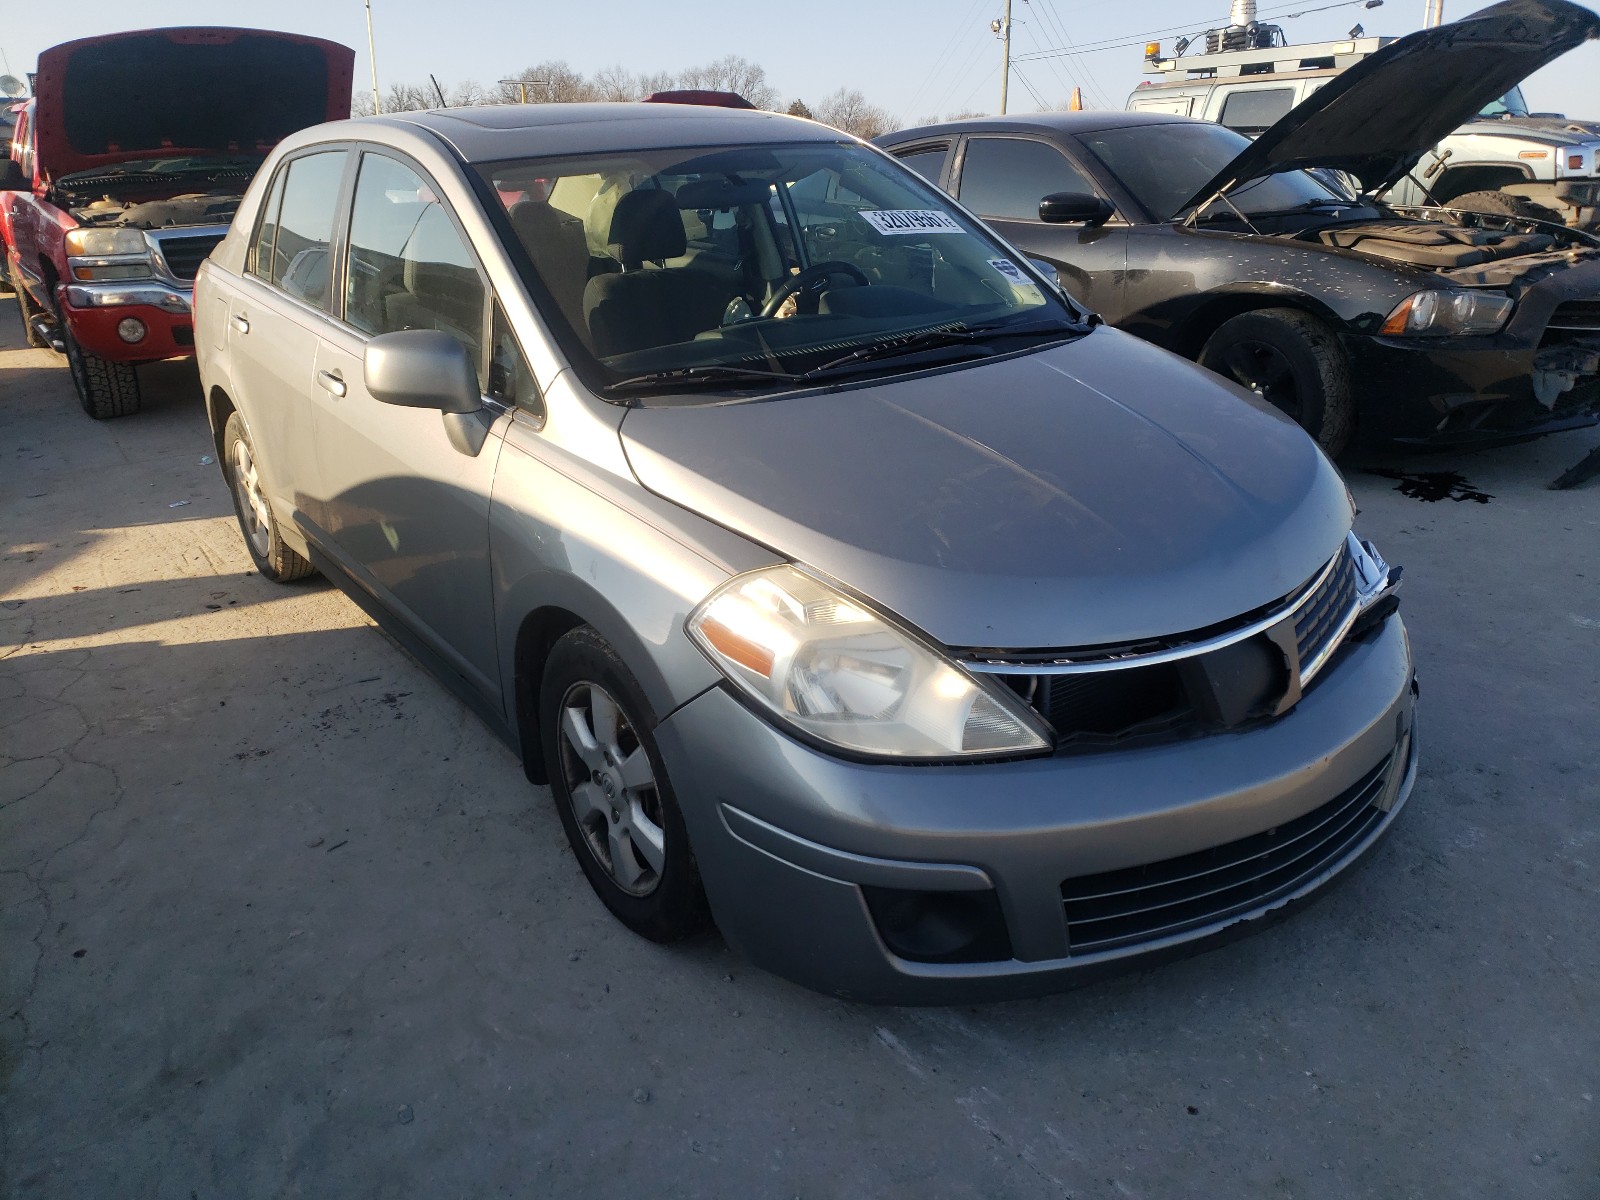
{"points": [[125, 170]]}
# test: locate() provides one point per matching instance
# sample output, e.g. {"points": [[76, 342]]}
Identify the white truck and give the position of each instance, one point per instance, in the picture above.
{"points": [[1507, 160]]}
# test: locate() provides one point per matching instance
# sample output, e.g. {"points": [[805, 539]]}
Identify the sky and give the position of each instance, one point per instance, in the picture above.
{"points": [[914, 58]]}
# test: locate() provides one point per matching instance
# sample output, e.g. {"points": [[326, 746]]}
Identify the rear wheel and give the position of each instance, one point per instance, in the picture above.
{"points": [[612, 793], [1294, 362], [273, 559]]}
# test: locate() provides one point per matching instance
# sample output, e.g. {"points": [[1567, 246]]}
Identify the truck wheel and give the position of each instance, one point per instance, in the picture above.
{"points": [[276, 562], [29, 311], [1506, 204], [105, 389], [1293, 361], [611, 791]]}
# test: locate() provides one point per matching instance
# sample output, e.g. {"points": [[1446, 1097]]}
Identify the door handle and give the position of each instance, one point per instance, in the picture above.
{"points": [[240, 322], [331, 382]]}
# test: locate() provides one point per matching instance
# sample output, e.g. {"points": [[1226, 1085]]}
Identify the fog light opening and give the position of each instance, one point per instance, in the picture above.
{"points": [[131, 330], [940, 927]]}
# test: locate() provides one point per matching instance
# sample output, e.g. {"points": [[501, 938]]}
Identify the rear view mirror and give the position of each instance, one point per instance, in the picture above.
{"points": [[11, 177], [421, 368], [1074, 208]]}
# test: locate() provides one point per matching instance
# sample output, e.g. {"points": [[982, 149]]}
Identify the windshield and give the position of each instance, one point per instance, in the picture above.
{"points": [[750, 266], [1510, 105], [1165, 165]]}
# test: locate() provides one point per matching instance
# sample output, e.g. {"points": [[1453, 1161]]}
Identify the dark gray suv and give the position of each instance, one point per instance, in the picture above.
{"points": [[847, 583]]}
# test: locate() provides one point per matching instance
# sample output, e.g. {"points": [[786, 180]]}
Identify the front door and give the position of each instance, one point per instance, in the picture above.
{"points": [[1002, 179], [406, 505]]}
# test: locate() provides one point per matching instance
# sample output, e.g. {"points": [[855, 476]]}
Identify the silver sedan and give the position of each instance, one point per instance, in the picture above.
{"points": [[850, 585]]}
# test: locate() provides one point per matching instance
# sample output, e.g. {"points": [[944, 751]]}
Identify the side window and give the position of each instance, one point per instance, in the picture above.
{"points": [[510, 380], [409, 267], [1255, 111], [302, 261], [1007, 177], [260, 260], [927, 161]]}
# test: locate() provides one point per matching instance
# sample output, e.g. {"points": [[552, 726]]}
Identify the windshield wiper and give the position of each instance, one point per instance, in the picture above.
{"points": [[698, 377], [929, 339]]}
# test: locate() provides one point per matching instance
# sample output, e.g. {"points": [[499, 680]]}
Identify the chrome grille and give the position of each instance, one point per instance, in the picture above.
{"points": [[1142, 904], [183, 255], [1323, 616]]}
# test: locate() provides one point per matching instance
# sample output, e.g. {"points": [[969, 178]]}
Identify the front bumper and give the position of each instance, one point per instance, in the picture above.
{"points": [[94, 310], [1459, 394], [791, 842]]}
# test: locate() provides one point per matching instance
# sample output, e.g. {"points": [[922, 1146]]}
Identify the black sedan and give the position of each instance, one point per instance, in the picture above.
{"points": [[1245, 256]]}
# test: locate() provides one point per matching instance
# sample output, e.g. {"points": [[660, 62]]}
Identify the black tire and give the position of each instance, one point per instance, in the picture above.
{"points": [[1506, 204], [665, 903], [29, 311], [106, 389], [1292, 360], [257, 522]]}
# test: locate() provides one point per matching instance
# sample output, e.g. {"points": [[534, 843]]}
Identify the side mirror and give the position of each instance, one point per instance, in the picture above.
{"points": [[11, 177], [1074, 208], [421, 368]]}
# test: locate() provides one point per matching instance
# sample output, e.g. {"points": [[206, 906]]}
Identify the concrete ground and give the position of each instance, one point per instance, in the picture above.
{"points": [[279, 918]]}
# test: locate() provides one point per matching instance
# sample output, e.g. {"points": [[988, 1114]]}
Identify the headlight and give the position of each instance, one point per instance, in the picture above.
{"points": [[826, 665], [101, 254], [99, 243], [1441, 312]]}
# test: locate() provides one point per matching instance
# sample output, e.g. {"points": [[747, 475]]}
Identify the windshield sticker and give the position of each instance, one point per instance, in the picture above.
{"points": [[893, 221], [1009, 269]]}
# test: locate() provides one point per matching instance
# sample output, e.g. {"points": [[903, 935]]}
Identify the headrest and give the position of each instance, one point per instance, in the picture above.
{"points": [[535, 220], [646, 227]]}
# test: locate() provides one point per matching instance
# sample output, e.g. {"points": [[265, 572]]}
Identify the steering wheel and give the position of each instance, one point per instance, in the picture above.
{"points": [[809, 278]]}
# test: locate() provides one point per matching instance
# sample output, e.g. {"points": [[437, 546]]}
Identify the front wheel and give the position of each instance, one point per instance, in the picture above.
{"points": [[1293, 361], [106, 389], [276, 561], [612, 793]]}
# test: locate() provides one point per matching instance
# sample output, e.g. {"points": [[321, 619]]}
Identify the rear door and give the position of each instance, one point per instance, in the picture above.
{"points": [[406, 502], [1002, 178], [278, 311]]}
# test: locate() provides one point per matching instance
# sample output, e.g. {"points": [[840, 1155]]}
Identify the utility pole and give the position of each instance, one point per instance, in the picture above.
{"points": [[1003, 28], [1433, 14], [372, 57]]}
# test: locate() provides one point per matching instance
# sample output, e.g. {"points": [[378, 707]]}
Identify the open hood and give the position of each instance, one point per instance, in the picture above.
{"points": [[161, 92], [1376, 119]]}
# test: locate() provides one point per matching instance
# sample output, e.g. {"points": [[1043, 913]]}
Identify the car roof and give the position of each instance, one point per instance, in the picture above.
{"points": [[501, 131], [1047, 122]]}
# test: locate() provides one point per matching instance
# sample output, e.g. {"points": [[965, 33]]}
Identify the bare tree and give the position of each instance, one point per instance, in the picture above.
{"points": [[361, 103], [468, 92], [554, 82], [408, 97], [733, 74], [847, 109]]}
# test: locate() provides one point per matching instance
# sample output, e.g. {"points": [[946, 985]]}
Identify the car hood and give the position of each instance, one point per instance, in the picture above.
{"points": [[1558, 131], [170, 92], [1377, 118], [1096, 493]]}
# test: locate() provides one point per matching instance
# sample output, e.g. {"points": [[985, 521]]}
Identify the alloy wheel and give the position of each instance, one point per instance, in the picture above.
{"points": [[254, 514], [612, 788]]}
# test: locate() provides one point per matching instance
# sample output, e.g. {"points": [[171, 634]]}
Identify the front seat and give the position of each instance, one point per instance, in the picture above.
{"points": [[560, 253], [648, 305]]}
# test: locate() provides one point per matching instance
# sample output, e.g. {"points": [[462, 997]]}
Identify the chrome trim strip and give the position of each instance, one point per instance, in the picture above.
{"points": [[1156, 657], [121, 295]]}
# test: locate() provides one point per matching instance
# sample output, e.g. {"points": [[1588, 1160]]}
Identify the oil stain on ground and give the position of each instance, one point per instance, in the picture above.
{"points": [[1433, 486]]}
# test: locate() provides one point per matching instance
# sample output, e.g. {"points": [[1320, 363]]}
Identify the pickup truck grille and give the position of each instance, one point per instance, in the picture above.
{"points": [[183, 255]]}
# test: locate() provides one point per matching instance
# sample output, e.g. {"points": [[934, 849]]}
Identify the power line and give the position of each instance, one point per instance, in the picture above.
{"points": [[1123, 41], [947, 53]]}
